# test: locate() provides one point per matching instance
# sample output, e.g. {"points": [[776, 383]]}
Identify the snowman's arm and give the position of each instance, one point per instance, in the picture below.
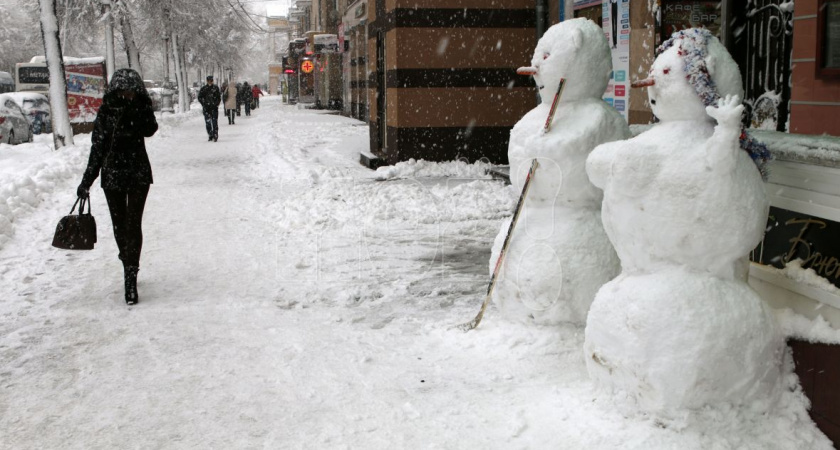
{"points": [[599, 163], [724, 145], [600, 160]]}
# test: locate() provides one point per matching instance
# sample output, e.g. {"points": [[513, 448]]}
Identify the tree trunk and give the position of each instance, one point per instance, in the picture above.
{"points": [[109, 40], [62, 131], [179, 75], [131, 49], [185, 77]]}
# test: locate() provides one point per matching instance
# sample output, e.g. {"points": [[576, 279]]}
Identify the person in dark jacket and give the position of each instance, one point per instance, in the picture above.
{"points": [[210, 97], [238, 99], [247, 97], [118, 156]]}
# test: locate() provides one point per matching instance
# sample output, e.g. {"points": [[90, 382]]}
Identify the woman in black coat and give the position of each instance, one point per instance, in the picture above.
{"points": [[118, 154]]}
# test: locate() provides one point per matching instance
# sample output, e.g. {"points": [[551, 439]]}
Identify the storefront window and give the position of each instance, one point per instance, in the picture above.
{"points": [[593, 13], [828, 38]]}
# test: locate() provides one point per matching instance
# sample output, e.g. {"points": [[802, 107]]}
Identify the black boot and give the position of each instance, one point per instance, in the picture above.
{"points": [[131, 296]]}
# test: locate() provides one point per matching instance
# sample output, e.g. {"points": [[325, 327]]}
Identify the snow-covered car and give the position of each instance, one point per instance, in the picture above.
{"points": [[36, 107], [14, 128]]}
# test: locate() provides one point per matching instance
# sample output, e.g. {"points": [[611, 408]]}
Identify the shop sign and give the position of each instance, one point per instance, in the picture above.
{"points": [[616, 24], [791, 235], [326, 43], [683, 14], [307, 66]]}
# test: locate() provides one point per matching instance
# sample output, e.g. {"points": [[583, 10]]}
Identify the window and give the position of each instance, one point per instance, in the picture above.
{"points": [[828, 39]]}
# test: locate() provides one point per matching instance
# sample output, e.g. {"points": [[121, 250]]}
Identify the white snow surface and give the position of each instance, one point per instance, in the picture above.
{"points": [[800, 327], [289, 300], [427, 169], [559, 255]]}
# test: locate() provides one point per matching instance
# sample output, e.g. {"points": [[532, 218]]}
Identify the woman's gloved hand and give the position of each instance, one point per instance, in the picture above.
{"points": [[82, 191]]}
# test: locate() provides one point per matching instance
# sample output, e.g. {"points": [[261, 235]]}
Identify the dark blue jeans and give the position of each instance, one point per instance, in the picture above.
{"points": [[211, 120]]}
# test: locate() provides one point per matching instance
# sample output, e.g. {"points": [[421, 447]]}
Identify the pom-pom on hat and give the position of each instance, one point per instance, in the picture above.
{"points": [[693, 48]]}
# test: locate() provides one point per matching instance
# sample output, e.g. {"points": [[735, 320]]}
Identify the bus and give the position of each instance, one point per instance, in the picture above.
{"points": [[86, 82]]}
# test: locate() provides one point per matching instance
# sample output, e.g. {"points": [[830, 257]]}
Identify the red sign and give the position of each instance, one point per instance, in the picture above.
{"points": [[620, 90], [307, 66], [85, 89]]}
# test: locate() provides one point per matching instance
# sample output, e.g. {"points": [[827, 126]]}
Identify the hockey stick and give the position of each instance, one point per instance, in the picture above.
{"points": [[474, 323], [554, 103]]}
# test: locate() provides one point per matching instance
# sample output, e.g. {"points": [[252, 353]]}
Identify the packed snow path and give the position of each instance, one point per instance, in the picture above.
{"points": [[290, 300]]}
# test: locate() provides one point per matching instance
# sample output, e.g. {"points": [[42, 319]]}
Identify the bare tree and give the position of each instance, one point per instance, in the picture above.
{"points": [[131, 49], [62, 131]]}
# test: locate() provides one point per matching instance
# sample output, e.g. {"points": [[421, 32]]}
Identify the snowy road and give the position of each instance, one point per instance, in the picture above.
{"points": [[290, 300]]}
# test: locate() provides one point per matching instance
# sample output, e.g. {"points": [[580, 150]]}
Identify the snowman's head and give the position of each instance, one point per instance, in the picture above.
{"points": [[577, 51], [693, 70]]}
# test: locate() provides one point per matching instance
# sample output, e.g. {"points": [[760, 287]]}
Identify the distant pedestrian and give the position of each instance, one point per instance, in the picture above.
{"points": [[229, 100], [118, 153], [238, 99], [256, 91], [247, 96], [210, 97]]}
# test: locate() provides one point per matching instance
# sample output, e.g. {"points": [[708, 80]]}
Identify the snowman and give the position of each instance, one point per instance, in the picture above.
{"points": [[684, 203], [559, 255]]}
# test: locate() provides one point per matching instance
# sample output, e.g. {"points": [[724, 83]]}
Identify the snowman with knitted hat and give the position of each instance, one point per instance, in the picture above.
{"points": [[559, 255], [684, 203]]}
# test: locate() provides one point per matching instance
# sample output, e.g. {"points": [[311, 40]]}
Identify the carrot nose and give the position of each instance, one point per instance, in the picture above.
{"points": [[526, 70], [643, 83]]}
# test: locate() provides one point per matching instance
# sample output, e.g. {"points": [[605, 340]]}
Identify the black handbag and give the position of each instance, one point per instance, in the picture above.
{"points": [[76, 232]]}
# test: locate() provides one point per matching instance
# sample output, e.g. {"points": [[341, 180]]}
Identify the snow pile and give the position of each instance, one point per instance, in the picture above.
{"points": [[822, 150], [417, 169], [800, 327], [31, 173], [795, 271], [558, 255], [680, 329]]}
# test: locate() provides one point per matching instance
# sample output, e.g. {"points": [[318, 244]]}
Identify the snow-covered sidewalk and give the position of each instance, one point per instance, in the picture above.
{"points": [[291, 298]]}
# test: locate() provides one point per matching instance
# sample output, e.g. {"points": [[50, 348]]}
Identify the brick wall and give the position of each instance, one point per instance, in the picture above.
{"points": [[815, 103], [450, 82]]}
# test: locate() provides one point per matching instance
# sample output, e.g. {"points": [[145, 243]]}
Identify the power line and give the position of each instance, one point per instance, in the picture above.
{"points": [[247, 25], [249, 17]]}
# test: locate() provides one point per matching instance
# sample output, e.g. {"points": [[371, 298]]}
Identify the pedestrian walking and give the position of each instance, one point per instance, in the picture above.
{"points": [[229, 102], [247, 96], [118, 154], [210, 97], [257, 92], [238, 99]]}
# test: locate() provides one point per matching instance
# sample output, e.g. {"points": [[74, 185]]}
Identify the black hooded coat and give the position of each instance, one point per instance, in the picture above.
{"points": [[118, 148]]}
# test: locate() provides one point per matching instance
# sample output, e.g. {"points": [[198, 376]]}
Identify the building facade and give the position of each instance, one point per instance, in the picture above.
{"points": [[442, 80]]}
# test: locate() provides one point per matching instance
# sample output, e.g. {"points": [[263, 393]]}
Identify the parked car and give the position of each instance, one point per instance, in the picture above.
{"points": [[36, 107], [7, 82], [14, 128]]}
